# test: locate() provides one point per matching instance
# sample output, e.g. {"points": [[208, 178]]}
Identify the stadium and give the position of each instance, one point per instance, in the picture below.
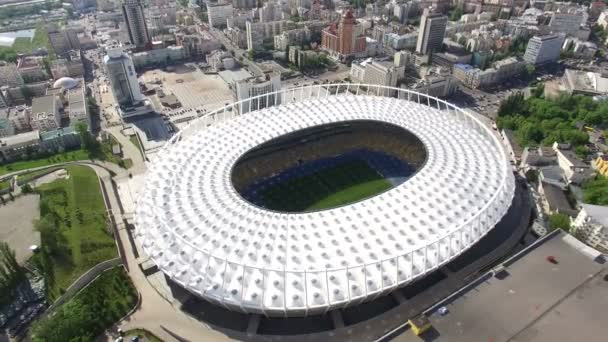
{"points": [[333, 196]]}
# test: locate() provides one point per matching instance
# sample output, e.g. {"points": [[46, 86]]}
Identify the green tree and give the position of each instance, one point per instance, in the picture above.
{"points": [[86, 140], [456, 14], [560, 221]]}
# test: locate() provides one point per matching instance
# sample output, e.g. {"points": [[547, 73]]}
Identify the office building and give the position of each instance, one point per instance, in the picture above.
{"points": [[45, 113], [544, 49], [254, 86], [135, 21], [123, 79], [432, 31], [218, 14]]}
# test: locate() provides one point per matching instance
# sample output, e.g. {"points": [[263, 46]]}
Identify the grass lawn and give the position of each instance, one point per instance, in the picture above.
{"points": [[28, 177], [352, 194], [135, 142], [331, 187], [57, 158], [75, 238], [27, 45], [106, 300]]}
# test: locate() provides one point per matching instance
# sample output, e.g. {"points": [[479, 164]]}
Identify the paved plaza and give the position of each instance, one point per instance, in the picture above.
{"points": [[191, 86], [17, 225]]}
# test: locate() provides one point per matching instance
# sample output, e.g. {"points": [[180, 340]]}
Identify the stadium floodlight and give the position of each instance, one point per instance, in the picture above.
{"points": [[201, 233]]}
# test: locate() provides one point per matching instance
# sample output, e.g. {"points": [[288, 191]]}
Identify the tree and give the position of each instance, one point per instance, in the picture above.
{"points": [[86, 140], [560, 221], [456, 14], [26, 189]]}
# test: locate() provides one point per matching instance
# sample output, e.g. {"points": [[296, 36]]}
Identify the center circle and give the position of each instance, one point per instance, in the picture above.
{"points": [[327, 166]]}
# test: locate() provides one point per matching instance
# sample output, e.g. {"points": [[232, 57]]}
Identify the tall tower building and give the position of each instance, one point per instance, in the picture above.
{"points": [[123, 78], [133, 13], [346, 33], [432, 31]]}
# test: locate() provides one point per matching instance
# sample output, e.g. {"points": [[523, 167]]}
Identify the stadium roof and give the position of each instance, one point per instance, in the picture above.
{"points": [[191, 221]]}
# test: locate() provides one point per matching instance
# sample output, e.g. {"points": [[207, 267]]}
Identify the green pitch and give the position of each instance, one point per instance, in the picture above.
{"points": [[329, 188]]}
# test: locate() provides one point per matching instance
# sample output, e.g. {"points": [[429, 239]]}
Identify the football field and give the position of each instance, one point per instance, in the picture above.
{"points": [[331, 187]]}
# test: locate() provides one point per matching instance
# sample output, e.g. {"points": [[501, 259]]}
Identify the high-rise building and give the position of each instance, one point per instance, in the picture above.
{"points": [[133, 13], [123, 78], [345, 40], [544, 49], [62, 40], [432, 31], [219, 14]]}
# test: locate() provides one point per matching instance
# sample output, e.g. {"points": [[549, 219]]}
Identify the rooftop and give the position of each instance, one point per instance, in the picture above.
{"points": [[598, 213], [534, 300], [44, 104], [557, 200]]}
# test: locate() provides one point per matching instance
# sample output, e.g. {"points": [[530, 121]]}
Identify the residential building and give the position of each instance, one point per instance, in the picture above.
{"points": [[45, 113], [591, 226], [345, 40], [19, 118], [555, 200], [600, 164], [400, 42], [431, 33], [568, 23], [270, 11], [62, 40], [575, 170], [220, 60], [78, 110], [291, 37], [135, 21], [10, 76], [123, 79], [244, 3], [476, 78], [6, 126], [258, 85], [70, 66], [218, 14], [197, 46], [544, 49], [257, 32], [31, 69], [438, 85], [17, 145]]}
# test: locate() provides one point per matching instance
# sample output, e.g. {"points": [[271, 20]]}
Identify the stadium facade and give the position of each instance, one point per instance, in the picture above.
{"points": [[197, 223]]}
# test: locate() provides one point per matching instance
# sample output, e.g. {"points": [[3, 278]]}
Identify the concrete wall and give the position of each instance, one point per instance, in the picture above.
{"points": [[84, 280]]}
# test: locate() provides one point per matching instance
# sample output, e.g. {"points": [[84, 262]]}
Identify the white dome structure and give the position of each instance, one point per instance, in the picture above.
{"points": [[65, 83], [202, 234]]}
